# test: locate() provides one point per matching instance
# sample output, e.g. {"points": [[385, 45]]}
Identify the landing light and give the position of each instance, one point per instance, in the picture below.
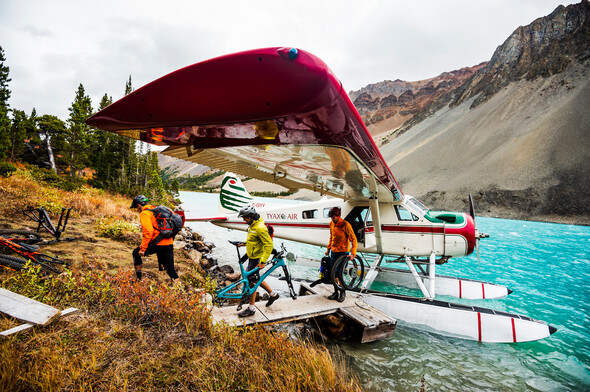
{"points": [[290, 53]]}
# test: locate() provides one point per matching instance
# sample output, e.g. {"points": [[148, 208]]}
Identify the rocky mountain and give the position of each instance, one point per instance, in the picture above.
{"points": [[516, 134], [547, 46], [178, 167], [389, 104]]}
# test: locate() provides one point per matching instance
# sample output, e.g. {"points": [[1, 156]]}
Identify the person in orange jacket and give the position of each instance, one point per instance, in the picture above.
{"points": [[164, 249], [342, 239]]}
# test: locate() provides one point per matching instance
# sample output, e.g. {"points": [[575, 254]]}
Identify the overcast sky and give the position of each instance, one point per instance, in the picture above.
{"points": [[53, 46]]}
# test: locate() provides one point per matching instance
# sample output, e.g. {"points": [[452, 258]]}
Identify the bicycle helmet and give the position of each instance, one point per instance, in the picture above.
{"points": [[334, 211], [248, 212], [140, 200]]}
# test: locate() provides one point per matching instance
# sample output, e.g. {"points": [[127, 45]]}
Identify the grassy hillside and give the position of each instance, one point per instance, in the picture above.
{"points": [[132, 335]]}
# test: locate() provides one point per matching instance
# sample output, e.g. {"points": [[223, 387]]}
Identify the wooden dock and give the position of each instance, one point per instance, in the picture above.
{"points": [[313, 302]]}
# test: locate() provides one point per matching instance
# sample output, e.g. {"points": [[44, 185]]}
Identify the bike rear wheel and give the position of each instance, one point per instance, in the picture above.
{"points": [[350, 273], [12, 262], [24, 236]]}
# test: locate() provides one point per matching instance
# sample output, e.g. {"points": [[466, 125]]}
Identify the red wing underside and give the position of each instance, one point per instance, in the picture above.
{"points": [[274, 114]]}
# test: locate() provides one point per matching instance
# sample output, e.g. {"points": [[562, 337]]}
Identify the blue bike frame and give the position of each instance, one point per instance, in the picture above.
{"points": [[246, 291]]}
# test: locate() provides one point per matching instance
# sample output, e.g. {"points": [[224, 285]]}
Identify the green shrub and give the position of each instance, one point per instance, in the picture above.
{"points": [[115, 228], [6, 169]]}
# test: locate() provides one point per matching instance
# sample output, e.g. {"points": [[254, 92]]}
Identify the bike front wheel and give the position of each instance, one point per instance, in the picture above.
{"points": [[350, 273], [12, 262]]}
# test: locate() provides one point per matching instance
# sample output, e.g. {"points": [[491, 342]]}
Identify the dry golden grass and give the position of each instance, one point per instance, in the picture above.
{"points": [[137, 336]]}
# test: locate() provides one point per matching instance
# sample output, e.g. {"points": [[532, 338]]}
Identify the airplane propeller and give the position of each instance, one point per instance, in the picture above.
{"points": [[478, 235]]}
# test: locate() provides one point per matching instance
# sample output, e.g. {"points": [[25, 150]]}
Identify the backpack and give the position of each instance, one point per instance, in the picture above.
{"points": [[169, 223], [325, 272], [271, 230]]}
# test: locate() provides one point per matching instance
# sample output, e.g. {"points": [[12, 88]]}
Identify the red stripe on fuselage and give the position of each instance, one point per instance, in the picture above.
{"points": [[479, 325], [414, 229], [513, 331]]}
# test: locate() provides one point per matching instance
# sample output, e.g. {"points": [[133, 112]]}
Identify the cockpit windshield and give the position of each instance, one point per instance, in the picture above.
{"points": [[415, 206]]}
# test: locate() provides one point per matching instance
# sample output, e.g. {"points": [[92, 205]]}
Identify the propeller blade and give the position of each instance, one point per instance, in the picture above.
{"points": [[477, 251], [471, 208]]}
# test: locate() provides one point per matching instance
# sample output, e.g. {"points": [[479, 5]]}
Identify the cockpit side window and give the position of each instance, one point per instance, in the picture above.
{"points": [[310, 214], [404, 215], [327, 212]]}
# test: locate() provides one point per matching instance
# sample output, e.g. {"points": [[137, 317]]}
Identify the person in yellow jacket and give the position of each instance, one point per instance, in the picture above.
{"points": [[164, 249], [342, 242], [258, 249]]}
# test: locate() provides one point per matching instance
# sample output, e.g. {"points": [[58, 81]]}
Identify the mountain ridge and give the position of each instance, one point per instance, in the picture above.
{"points": [[516, 133]]}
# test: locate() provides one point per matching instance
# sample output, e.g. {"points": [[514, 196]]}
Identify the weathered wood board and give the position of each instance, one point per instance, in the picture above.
{"points": [[375, 324], [26, 309], [26, 326], [283, 310]]}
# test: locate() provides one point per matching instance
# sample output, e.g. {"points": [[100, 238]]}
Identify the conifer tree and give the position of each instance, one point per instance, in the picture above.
{"points": [[78, 135], [18, 133], [102, 155], [52, 131], [4, 108]]}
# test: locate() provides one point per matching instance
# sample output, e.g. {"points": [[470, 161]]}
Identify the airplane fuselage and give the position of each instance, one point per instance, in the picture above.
{"points": [[403, 233]]}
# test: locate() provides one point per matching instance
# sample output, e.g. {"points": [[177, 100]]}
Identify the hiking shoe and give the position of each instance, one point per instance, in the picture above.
{"points": [[272, 299], [334, 295], [342, 296], [246, 312]]}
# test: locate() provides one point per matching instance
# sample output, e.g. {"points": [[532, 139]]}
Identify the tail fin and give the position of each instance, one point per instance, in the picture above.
{"points": [[233, 195]]}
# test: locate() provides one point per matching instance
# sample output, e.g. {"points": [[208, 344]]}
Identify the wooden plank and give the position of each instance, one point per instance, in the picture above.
{"points": [[367, 315], [26, 326], [383, 331], [283, 310], [26, 309], [376, 324], [20, 328]]}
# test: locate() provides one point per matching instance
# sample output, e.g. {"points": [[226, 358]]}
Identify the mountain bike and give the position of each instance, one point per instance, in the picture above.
{"points": [[244, 288], [39, 215], [26, 253]]}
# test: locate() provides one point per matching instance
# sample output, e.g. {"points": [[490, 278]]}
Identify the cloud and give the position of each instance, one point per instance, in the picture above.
{"points": [[52, 47]]}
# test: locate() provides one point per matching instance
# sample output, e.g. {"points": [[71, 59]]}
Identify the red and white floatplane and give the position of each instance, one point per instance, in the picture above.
{"points": [[281, 116]]}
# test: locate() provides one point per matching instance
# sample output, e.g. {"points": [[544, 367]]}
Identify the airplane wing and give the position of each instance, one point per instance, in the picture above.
{"points": [[275, 114]]}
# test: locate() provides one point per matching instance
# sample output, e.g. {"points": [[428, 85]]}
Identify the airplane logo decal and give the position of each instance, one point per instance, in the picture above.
{"points": [[233, 196]]}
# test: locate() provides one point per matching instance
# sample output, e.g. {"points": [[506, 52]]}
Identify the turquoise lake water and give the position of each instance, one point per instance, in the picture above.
{"points": [[547, 266]]}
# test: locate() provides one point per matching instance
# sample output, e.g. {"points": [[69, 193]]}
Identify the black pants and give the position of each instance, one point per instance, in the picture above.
{"points": [[165, 254]]}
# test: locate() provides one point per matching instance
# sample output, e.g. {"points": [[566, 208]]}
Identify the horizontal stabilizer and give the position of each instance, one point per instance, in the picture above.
{"points": [[205, 219]]}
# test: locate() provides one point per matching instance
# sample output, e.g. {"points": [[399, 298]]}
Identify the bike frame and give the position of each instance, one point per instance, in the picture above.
{"points": [[40, 216], [247, 291], [30, 252]]}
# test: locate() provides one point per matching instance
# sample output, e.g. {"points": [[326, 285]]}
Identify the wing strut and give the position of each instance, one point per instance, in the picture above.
{"points": [[374, 204]]}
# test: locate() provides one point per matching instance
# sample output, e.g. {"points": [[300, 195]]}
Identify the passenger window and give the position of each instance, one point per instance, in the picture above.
{"points": [[310, 214], [405, 215], [327, 212]]}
